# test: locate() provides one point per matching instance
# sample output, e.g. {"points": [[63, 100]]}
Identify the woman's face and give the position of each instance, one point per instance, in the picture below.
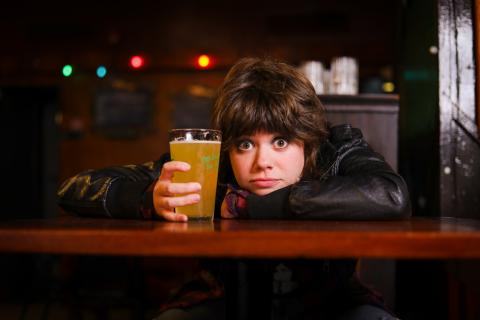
{"points": [[265, 162]]}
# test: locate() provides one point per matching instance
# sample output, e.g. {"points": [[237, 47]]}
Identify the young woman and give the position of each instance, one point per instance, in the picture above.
{"points": [[280, 160]]}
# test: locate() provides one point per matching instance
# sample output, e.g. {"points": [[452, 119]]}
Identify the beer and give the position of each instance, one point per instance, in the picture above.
{"points": [[203, 157]]}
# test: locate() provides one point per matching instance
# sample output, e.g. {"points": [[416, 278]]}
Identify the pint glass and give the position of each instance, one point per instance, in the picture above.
{"points": [[344, 75], [201, 149]]}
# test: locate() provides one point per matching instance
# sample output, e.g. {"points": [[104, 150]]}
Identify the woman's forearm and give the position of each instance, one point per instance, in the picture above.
{"points": [[110, 192]]}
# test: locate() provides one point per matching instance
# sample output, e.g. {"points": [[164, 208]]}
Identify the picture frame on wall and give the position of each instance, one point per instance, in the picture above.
{"points": [[123, 113]]}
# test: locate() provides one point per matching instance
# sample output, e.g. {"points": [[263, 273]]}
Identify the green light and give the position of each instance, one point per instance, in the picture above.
{"points": [[101, 71], [67, 70]]}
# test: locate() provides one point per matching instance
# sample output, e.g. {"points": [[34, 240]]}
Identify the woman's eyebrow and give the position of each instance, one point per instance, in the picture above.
{"points": [[244, 137], [283, 136]]}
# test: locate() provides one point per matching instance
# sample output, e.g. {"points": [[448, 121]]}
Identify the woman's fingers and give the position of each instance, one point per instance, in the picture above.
{"points": [[168, 195], [175, 217], [167, 205], [167, 188], [170, 167], [182, 188]]}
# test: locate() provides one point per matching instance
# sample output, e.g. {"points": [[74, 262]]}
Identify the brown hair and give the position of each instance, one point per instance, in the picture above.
{"points": [[265, 95]]}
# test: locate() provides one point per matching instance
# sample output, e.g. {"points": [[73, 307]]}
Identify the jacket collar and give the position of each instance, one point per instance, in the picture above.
{"points": [[340, 137], [343, 134]]}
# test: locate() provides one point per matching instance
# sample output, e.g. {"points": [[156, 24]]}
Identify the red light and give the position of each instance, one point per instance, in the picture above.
{"points": [[204, 61], [137, 62]]}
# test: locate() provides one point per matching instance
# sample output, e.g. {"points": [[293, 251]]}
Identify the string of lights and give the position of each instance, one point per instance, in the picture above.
{"points": [[139, 62]]}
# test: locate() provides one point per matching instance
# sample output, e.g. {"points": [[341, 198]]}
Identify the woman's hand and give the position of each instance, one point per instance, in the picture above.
{"points": [[168, 195]]}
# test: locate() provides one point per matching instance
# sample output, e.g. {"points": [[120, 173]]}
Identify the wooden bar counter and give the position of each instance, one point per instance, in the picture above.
{"points": [[418, 238]]}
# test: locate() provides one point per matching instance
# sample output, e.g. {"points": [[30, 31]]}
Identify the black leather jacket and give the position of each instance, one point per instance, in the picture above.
{"points": [[356, 183]]}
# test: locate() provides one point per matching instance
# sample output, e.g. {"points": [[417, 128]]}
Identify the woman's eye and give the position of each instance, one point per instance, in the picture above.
{"points": [[280, 143], [245, 145]]}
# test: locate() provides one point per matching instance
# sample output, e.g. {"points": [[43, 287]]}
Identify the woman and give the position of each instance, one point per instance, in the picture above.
{"points": [[279, 161]]}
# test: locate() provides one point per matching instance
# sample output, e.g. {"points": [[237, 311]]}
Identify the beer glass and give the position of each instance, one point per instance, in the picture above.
{"points": [[344, 75], [201, 149], [314, 70]]}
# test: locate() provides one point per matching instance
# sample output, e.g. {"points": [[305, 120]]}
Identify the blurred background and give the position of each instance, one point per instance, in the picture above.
{"points": [[65, 66], [89, 84]]}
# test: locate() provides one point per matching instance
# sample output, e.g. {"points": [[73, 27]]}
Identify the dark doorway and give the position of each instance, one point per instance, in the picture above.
{"points": [[30, 151]]}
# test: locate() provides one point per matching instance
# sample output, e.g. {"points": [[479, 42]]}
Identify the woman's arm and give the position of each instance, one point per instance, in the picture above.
{"points": [[359, 186], [365, 188], [111, 192]]}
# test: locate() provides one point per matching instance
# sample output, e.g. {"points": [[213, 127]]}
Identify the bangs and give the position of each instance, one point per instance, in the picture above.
{"points": [[263, 95], [260, 111]]}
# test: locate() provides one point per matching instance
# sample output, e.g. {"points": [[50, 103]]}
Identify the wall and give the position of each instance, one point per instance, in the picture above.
{"points": [[41, 37]]}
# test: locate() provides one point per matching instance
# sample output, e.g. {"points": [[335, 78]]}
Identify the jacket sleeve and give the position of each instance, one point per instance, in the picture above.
{"points": [[361, 186], [116, 192]]}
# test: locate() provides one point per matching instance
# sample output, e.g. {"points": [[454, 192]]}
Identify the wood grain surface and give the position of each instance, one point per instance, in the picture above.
{"points": [[420, 238]]}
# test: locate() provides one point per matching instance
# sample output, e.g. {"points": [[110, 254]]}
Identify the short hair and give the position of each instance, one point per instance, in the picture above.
{"points": [[266, 95]]}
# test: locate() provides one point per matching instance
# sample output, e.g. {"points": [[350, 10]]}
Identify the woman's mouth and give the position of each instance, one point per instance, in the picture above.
{"points": [[264, 182]]}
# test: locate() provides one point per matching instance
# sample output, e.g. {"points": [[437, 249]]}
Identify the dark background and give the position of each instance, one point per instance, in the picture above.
{"points": [[50, 130]]}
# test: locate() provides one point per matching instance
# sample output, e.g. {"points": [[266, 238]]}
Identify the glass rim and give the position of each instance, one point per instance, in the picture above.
{"points": [[195, 129], [194, 134]]}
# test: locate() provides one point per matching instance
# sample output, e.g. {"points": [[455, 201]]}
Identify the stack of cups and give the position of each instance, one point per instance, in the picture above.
{"points": [[314, 72], [344, 75]]}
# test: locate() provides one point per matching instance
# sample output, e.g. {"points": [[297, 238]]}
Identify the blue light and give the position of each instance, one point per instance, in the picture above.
{"points": [[101, 71]]}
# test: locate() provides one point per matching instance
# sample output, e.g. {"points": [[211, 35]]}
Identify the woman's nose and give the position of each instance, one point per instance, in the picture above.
{"points": [[263, 158]]}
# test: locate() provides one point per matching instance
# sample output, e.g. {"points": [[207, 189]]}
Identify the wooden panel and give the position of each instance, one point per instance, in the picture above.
{"points": [[90, 149], [459, 137], [416, 238], [477, 56], [376, 115]]}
